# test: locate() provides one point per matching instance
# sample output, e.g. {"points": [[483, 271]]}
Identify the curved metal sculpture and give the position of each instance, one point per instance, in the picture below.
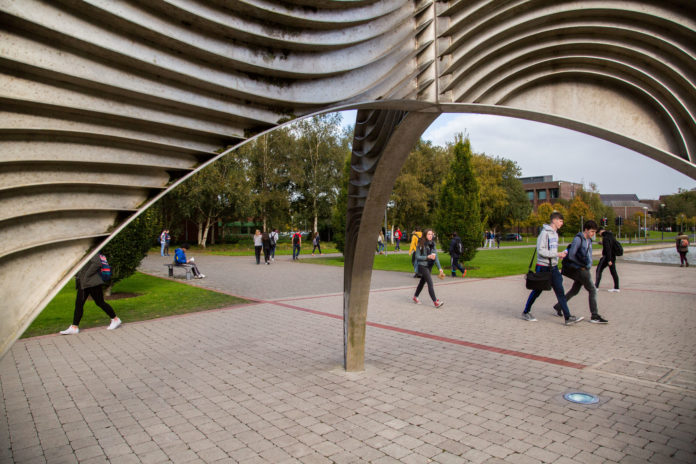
{"points": [[107, 105]]}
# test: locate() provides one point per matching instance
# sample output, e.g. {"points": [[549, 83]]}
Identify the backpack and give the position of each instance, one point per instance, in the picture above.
{"points": [[617, 248], [460, 248], [105, 269], [271, 238], [683, 243], [295, 239]]}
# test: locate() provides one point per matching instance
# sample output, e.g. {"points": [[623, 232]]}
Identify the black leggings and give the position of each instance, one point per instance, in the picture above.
{"points": [[426, 278], [97, 294], [600, 268]]}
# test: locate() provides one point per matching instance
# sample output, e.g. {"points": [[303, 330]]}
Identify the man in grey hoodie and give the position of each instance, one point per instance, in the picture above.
{"points": [[580, 262], [547, 261]]}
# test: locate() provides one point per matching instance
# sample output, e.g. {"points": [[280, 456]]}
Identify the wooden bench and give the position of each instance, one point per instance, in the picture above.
{"points": [[187, 267]]}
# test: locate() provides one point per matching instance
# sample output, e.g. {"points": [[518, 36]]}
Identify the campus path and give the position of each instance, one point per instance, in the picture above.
{"points": [[263, 382]]}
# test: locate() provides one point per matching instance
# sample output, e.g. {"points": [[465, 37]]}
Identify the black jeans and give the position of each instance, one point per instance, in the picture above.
{"points": [[97, 294], [600, 268], [426, 278], [257, 252], [582, 278]]}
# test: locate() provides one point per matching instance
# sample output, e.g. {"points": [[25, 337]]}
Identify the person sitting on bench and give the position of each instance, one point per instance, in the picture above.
{"points": [[180, 260]]}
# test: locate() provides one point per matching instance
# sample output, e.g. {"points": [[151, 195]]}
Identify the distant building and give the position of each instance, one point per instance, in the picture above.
{"points": [[543, 189], [627, 205]]}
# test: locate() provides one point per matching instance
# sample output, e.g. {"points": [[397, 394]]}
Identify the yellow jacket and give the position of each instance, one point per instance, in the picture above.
{"points": [[414, 242]]}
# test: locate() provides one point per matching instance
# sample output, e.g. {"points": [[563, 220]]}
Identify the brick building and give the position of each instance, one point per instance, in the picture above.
{"points": [[627, 205], [543, 189]]}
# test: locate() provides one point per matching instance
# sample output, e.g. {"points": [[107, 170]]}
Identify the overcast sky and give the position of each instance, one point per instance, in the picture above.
{"points": [[541, 149]]}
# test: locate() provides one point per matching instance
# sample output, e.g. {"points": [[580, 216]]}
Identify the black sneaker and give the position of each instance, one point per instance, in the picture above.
{"points": [[597, 319], [559, 311], [573, 320]]}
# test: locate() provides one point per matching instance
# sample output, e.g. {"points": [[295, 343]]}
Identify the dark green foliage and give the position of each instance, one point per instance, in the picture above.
{"points": [[459, 206], [127, 249]]}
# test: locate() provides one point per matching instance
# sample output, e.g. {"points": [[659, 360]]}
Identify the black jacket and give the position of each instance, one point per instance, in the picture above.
{"points": [[453, 249], [608, 246]]}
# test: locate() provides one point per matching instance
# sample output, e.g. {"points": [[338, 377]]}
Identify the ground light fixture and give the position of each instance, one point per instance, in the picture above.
{"points": [[581, 398]]}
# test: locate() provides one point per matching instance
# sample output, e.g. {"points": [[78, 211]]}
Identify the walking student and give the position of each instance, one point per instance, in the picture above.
{"points": [[88, 282], [608, 259], [258, 245], [547, 261], [397, 239], [456, 248], [266, 244], [316, 243], [296, 245], [426, 257], [683, 249], [580, 261], [274, 241]]}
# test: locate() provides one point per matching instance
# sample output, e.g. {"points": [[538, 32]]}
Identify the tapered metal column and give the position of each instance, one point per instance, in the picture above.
{"points": [[382, 141]]}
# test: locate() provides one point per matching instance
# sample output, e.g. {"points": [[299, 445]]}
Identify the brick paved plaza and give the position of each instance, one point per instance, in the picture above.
{"points": [[264, 382]]}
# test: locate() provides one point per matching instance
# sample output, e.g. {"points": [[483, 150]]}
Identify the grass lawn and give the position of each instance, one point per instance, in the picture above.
{"points": [[155, 298], [487, 263]]}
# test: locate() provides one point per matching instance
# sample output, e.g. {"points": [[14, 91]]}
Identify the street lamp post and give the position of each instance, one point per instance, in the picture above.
{"points": [[662, 220], [645, 210]]}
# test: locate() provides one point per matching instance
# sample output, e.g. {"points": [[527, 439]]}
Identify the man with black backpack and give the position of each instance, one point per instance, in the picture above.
{"points": [[456, 249], [610, 247], [579, 260]]}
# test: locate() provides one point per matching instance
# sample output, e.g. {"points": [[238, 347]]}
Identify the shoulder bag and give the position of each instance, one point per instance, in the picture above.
{"points": [[537, 280]]}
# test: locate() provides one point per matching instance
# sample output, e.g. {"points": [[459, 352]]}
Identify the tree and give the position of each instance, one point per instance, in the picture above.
{"points": [[216, 190], [128, 248], [503, 199], [266, 161], [459, 205], [417, 189], [317, 165], [578, 212]]}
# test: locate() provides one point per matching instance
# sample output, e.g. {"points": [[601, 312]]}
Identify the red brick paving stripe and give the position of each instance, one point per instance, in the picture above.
{"points": [[454, 341]]}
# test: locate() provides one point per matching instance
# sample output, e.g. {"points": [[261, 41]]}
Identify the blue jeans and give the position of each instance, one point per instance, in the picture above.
{"points": [[398, 247], [162, 248], [295, 251], [556, 284], [381, 247], [455, 264]]}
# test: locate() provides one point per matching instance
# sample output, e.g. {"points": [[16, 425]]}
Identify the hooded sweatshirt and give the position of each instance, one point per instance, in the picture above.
{"points": [[547, 246]]}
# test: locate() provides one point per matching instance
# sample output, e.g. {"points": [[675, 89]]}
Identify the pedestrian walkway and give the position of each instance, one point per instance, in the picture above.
{"points": [[264, 383]]}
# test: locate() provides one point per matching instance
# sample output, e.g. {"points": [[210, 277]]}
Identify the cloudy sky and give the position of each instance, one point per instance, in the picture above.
{"points": [[541, 149]]}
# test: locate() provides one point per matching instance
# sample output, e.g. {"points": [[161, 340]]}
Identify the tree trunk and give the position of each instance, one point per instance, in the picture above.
{"points": [[206, 228], [212, 236], [314, 210], [200, 232]]}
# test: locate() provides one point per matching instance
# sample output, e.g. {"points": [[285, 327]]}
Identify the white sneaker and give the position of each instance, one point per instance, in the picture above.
{"points": [[614, 290], [72, 330], [201, 276], [115, 322]]}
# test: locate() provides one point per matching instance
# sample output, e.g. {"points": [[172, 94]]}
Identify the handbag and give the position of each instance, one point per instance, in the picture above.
{"points": [[537, 280]]}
